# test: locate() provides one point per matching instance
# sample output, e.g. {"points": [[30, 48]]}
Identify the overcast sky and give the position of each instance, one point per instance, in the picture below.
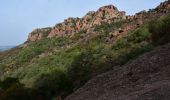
{"points": [[20, 17]]}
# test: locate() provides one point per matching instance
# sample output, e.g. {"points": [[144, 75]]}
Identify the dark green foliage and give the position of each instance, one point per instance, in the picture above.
{"points": [[12, 89], [139, 35], [8, 82], [133, 53], [46, 87], [55, 83], [81, 69], [2, 66], [134, 37], [132, 45], [16, 92], [91, 61], [137, 51], [160, 30]]}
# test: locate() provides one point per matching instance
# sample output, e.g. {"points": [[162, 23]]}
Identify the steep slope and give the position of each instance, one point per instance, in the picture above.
{"points": [[146, 78], [53, 43], [56, 61]]}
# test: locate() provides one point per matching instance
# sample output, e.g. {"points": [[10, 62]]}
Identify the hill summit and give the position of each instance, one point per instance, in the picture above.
{"points": [[106, 14]]}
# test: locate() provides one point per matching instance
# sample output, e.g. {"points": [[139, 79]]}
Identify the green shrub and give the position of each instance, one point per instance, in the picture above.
{"points": [[139, 35], [36, 48], [2, 67], [27, 54], [53, 84], [133, 37], [12, 89], [132, 53], [106, 28], [16, 92], [8, 82], [81, 69], [160, 30], [132, 45]]}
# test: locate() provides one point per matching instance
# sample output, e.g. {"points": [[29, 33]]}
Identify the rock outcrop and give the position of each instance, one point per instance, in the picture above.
{"points": [[71, 26], [106, 14], [38, 34], [146, 78], [162, 8]]}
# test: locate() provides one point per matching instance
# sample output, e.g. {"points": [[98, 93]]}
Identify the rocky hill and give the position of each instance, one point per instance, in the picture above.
{"points": [[70, 26], [105, 14], [145, 78], [56, 61]]}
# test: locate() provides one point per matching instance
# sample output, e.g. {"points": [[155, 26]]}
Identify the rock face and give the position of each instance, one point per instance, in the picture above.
{"points": [[74, 25], [106, 14], [163, 7], [38, 34], [146, 78]]}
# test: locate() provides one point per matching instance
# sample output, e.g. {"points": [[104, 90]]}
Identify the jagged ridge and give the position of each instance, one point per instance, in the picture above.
{"points": [[106, 14]]}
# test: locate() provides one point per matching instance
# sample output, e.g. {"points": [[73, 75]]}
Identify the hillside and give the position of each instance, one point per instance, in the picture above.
{"points": [[145, 78], [56, 61]]}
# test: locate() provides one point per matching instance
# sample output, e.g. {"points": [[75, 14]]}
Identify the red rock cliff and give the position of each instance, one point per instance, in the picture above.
{"points": [[71, 26]]}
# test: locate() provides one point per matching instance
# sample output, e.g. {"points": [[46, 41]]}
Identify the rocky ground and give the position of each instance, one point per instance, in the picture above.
{"points": [[145, 78]]}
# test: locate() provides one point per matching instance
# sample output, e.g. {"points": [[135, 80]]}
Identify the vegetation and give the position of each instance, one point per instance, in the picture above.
{"points": [[160, 30], [12, 89], [107, 28], [55, 67]]}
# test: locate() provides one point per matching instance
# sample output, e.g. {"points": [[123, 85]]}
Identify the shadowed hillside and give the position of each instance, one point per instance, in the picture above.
{"points": [[146, 77]]}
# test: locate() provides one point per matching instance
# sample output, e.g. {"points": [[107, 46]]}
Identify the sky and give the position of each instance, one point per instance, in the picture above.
{"points": [[19, 17]]}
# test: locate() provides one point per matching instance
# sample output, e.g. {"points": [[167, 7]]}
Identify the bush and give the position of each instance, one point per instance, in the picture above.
{"points": [[134, 44], [12, 89], [135, 37], [160, 30], [27, 54], [81, 69], [8, 82], [106, 28], [53, 84], [16, 92], [2, 67], [139, 35], [132, 53]]}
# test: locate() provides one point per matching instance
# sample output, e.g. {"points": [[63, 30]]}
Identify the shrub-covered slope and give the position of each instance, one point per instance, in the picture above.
{"points": [[57, 66], [145, 78]]}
